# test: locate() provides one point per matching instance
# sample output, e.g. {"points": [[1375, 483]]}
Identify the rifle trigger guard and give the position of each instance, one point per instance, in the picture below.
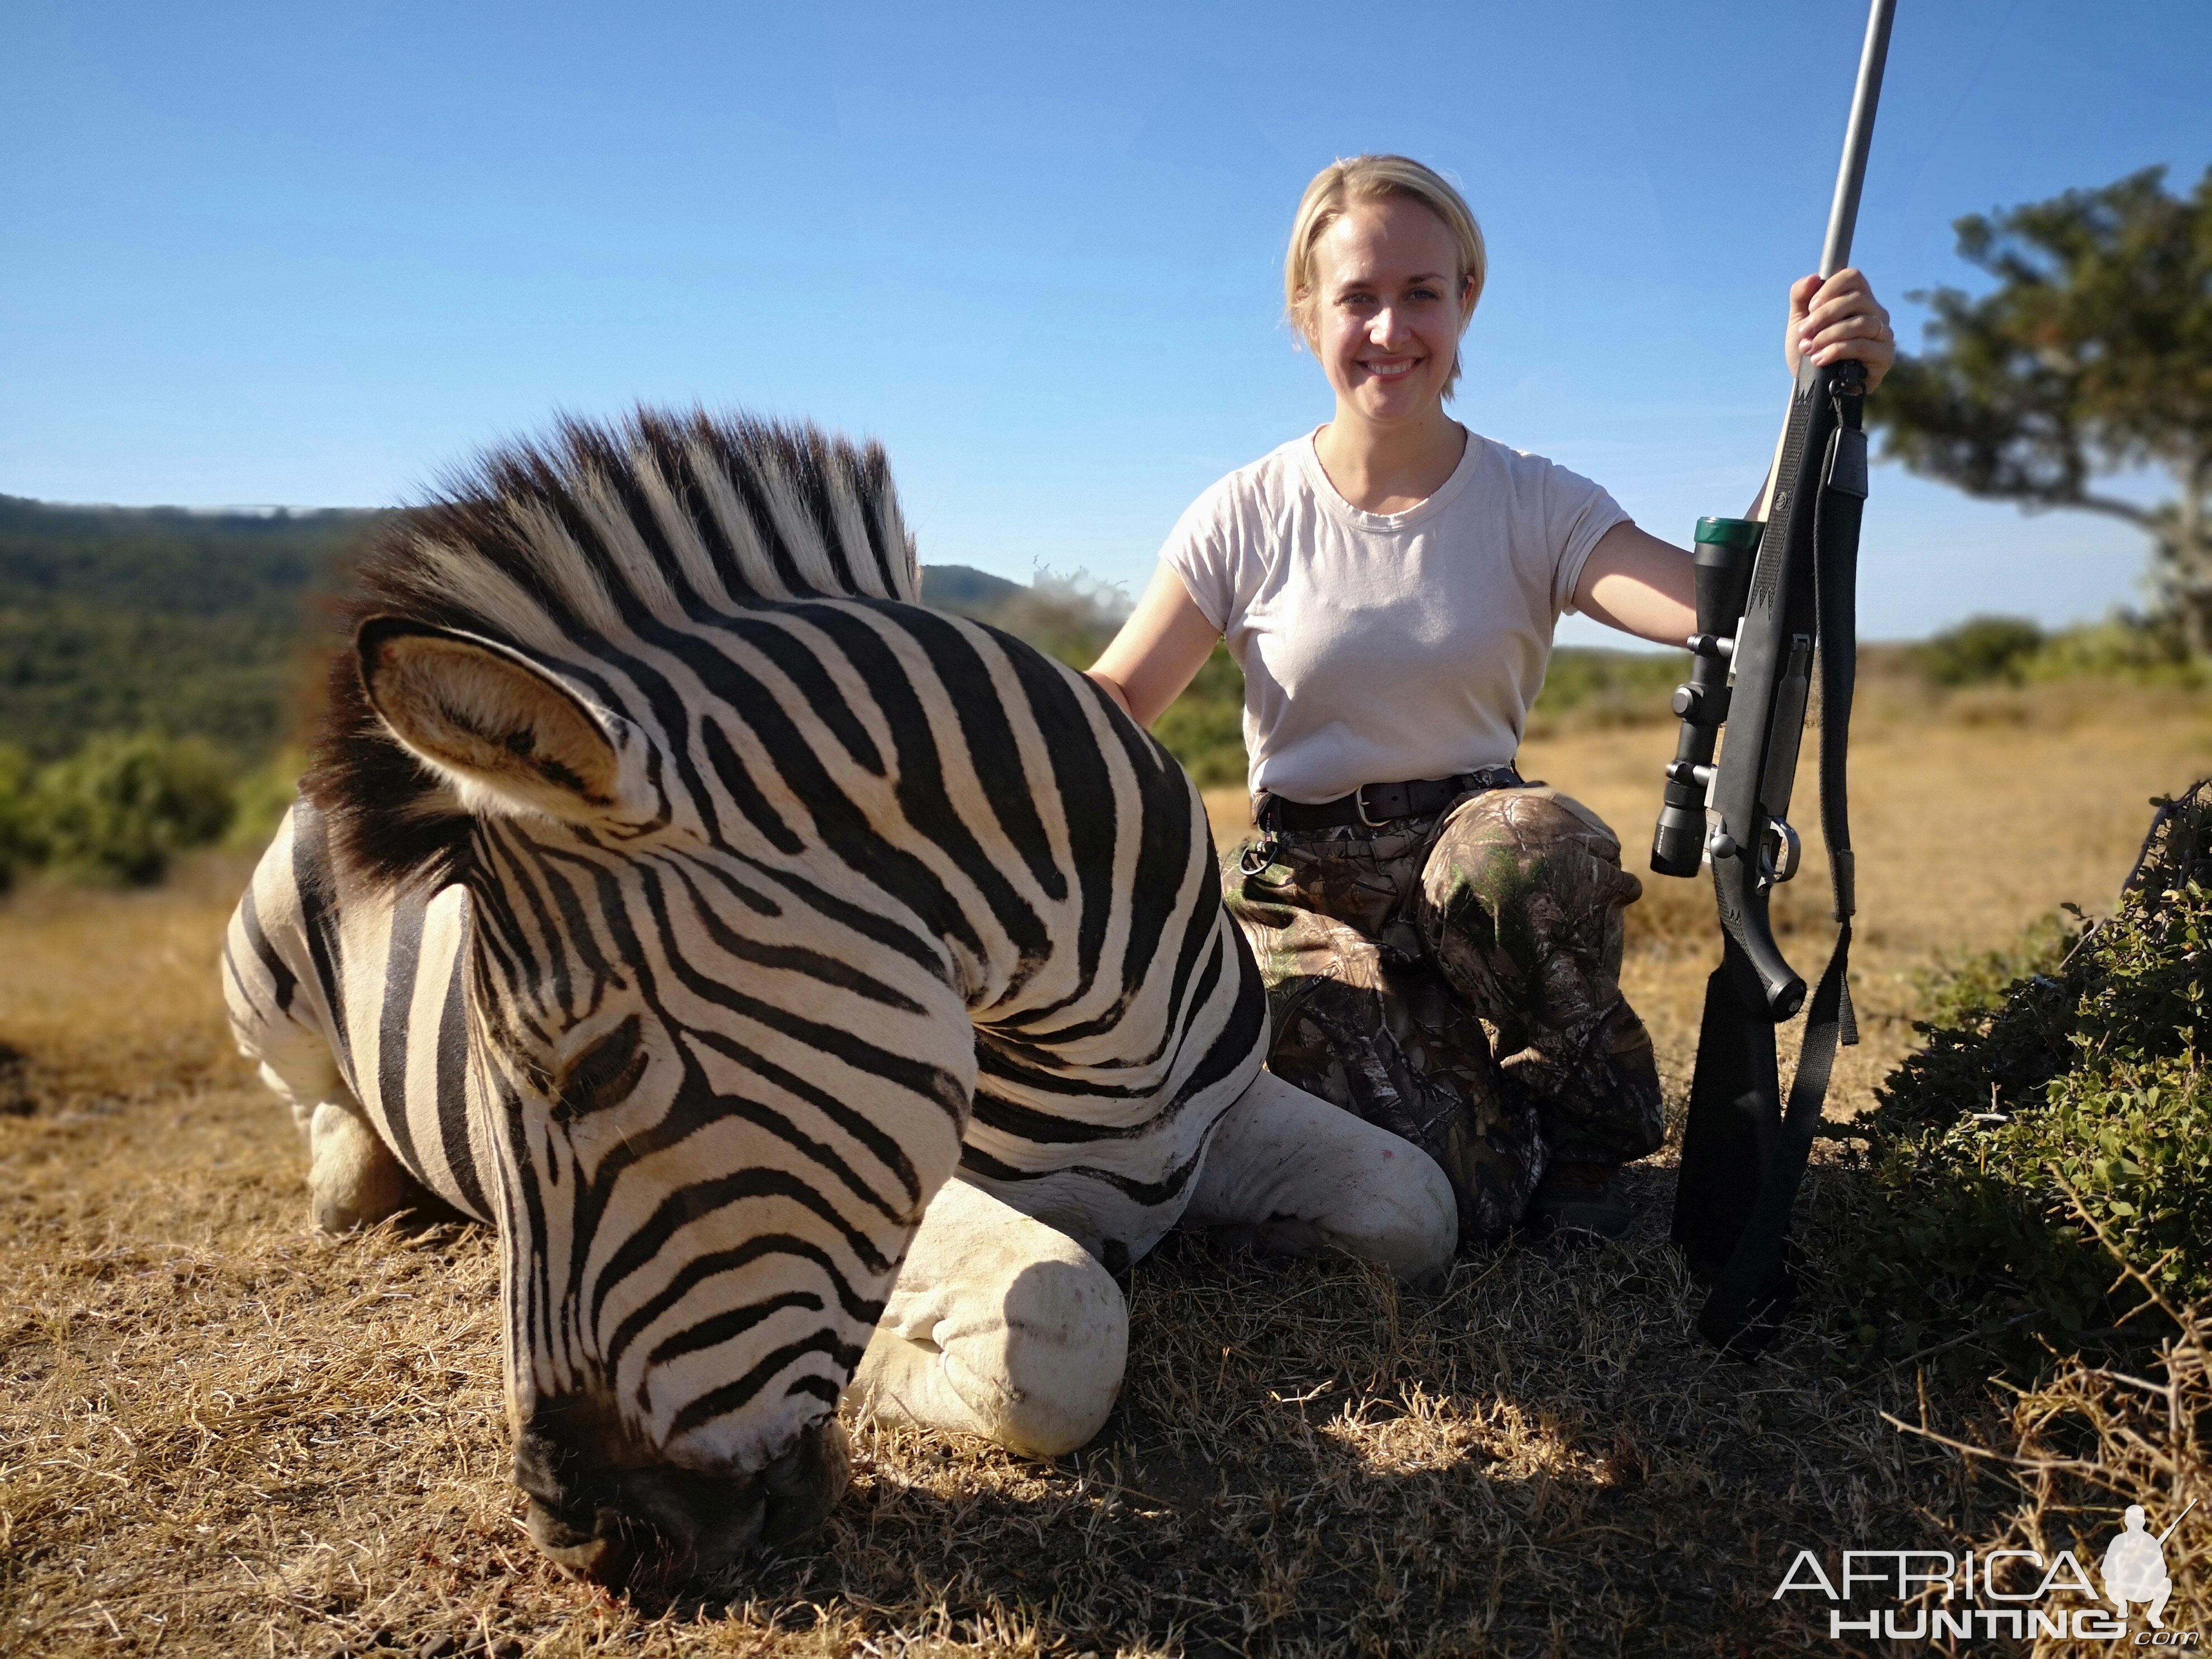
{"points": [[1782, 854]]}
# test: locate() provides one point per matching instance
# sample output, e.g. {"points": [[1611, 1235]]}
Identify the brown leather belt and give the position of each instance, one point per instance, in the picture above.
{"points": [[1375, 804]]}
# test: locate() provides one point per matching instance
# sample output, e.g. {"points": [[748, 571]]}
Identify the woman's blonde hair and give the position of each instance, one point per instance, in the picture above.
{"points": [[1371, 178]]}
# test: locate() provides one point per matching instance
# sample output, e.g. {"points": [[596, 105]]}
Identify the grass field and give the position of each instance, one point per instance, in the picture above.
{"points": [[221, 1433]]}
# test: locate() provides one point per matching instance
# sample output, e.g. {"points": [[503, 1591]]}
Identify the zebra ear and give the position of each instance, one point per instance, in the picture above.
{"points": [[508, 736]]}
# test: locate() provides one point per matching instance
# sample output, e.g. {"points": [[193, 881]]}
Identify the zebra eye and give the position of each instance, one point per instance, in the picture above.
{"points": [[603, 1075]]}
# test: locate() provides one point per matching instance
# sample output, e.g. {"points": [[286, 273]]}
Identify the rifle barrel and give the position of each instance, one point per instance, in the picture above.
{"points": [[1844, 214], [2177, 1520]]}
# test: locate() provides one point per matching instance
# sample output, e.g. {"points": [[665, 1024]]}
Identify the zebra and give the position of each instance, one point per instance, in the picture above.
{"points": [[673, 892]]}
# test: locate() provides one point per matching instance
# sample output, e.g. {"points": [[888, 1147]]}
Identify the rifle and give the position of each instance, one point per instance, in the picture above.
{"points": [[1775, 598]]}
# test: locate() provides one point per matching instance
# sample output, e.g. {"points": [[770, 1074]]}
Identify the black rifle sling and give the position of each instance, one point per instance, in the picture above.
{"points": [[1755, 1275]]}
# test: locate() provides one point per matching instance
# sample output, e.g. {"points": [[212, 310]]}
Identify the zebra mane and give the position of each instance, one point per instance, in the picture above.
{"points": [[586, 536]]}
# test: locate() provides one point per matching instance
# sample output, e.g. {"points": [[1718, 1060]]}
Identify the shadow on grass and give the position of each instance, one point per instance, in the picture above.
{"points": [[1306, 1460]]}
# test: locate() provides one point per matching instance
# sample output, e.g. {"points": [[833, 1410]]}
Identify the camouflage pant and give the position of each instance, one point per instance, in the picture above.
{"points": [[1458, 983]]}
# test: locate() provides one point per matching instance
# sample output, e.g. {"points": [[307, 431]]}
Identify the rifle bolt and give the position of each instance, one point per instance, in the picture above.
{"points": [[1722, 846]]}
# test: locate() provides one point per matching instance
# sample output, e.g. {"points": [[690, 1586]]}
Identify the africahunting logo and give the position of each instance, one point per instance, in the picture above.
{"points": [[1935, 1593]]}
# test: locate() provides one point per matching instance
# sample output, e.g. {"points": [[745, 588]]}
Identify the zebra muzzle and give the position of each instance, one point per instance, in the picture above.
{"points": [[664, 1525]]}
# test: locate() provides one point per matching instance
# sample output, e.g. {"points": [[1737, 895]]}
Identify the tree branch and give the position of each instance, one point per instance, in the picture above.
{"points": [[2141, 518]]}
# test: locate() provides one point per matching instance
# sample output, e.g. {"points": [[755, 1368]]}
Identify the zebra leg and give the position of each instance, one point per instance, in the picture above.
{"points": [[353, 1179], [1287, 1172], [278, 1018], [999, 1326]]}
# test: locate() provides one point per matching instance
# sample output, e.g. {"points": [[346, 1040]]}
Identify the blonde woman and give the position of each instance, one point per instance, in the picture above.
{"points": [[1389, 584]]}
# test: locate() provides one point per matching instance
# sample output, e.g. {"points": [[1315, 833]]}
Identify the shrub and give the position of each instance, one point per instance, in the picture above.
{"points": [[1597, 687], [1204, 728], [2075, 1095], [263, 798], [17, 849], [1980, 650], [120, 808], [2147, 649]]}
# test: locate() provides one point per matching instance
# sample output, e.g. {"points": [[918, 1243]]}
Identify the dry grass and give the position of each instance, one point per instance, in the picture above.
{"points": [[221, 1434], [2092, 1439]]}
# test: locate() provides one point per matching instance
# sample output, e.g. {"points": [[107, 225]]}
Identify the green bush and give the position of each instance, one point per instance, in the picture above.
{"points": [[2077, 1088], [1609, 688], [1981, 650], [2147, 649], [264, 796], [120, 808], [1204, 728], [1961, 997], [17, 849]]}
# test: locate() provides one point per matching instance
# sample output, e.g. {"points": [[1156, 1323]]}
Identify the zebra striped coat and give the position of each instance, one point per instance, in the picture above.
{"points": [[673, 891]]}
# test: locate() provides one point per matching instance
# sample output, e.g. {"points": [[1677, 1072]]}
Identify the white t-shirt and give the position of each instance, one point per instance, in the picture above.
{"points": [[1377, 647]]}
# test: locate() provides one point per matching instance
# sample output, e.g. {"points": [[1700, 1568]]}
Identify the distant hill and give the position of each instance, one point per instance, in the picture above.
{"points": [[203, 624], [965, 589], [159, 619]]}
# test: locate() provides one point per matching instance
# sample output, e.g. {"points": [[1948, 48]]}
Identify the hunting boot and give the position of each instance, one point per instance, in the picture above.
{"points": [[1580, 1198]]}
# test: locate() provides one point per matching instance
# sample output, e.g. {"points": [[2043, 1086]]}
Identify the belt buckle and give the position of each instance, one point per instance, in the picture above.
{"points": [[1360, 805]]}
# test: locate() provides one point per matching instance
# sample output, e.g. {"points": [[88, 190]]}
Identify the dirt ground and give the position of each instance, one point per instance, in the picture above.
{"points": [[221, 1433]]}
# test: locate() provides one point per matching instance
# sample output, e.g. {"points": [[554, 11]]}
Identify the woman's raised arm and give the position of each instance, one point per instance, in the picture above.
{"points": [[1159, 651]]}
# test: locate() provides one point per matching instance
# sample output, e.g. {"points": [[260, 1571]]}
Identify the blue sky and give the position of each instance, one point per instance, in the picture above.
{"points": [[311, 254]]}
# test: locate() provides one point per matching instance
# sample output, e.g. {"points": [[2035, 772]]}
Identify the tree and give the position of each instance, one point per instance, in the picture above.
{"points": [[2091, 357]]}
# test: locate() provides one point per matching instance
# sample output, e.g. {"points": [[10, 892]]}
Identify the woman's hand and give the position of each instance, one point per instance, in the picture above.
{"points": [[1836, 319]]}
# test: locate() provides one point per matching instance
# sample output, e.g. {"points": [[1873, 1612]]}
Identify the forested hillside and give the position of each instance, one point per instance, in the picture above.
{"points": [[194, 624], [189, 624], [159, 670]]}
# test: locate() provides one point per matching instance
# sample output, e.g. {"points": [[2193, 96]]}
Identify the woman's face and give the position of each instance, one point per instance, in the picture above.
{"points": [[1385, 310]]}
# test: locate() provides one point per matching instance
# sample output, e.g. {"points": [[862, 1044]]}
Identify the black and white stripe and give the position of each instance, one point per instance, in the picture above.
{"points": [[876, 891]]}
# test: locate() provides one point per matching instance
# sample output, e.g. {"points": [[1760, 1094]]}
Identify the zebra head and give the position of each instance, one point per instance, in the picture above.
{"points": [[720, 1048]]}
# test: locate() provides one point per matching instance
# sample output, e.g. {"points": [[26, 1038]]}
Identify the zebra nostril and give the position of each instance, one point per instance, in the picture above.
{"points": [[537, 1468], [804, 1485], [592, 1552], [626, 1526]]}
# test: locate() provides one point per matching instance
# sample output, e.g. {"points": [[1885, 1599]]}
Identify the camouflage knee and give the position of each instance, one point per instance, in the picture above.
{"points": [[1367, 1026], [1396, 1047], [1520, 908]]}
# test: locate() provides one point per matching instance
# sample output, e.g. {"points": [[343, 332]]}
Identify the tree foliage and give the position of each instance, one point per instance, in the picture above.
{"points": [[2092, 356]]}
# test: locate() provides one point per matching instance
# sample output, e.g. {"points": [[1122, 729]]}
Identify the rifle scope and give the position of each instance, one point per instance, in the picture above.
{"points": [[1724, 550]]}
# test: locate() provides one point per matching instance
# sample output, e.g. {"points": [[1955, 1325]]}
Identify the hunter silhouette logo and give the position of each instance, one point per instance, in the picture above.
{"points": [[1933, 1593], [2134, 1565]]}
